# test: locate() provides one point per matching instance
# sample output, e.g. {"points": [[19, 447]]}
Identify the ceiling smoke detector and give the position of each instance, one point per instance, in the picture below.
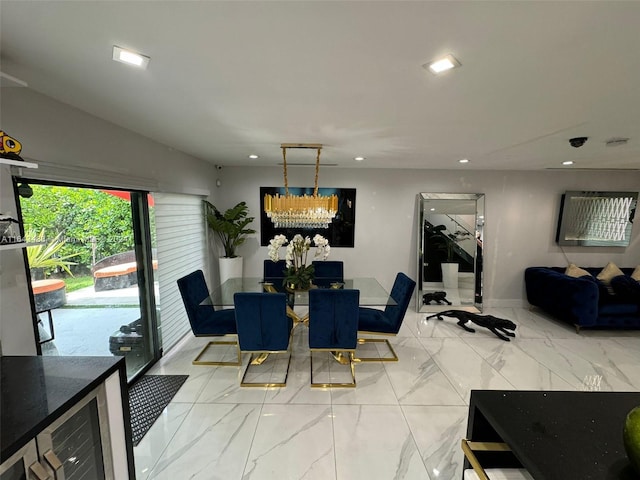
{"points": [[614, 142]]}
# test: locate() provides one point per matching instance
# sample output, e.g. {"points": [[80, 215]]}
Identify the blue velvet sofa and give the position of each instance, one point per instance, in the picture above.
{"points": [[585, 301]]}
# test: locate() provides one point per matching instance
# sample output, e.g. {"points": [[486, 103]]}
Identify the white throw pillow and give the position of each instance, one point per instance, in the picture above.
{"points": [[607, 273], [575, 271]]}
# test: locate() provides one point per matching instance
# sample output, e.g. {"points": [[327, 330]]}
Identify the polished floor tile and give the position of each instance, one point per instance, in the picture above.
{"points": [[375, 442], [404, 420], [213, 441], [292, 441], [438, 431]]}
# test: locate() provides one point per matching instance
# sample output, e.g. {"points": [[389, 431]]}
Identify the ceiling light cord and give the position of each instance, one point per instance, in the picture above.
{"points": [[286, 182], [315, 189]]}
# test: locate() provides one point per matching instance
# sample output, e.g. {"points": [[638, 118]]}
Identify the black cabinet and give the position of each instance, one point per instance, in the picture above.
{"points": [[65, 418]]}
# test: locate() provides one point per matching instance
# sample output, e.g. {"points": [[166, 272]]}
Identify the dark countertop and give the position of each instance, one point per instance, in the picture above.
{"points": [[558, 434], [37, 390]]}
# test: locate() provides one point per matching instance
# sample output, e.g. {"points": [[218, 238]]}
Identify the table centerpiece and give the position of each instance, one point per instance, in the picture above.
{"points": [[298, 275]]}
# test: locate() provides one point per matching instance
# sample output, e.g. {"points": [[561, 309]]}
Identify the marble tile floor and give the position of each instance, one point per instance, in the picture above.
{"points": [[403, 421]]}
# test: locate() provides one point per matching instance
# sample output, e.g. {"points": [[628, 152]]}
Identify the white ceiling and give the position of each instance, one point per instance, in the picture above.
{"points": [[227, 79]]}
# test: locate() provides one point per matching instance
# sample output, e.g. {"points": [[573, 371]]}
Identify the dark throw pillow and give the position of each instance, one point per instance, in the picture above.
{"points": [[626, 289]]}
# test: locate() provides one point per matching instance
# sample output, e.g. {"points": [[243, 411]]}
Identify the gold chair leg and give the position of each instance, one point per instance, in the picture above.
{"points": [[362, 341], [340, 358], [261, 384], [352, 368], [237, 363], [469, 448], [259, 360]]}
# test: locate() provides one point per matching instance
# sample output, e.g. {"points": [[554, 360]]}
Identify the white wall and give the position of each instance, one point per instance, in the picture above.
{"points": [[521, 207], [16, 325], [64, 139], [521, 217], [73, 146]]}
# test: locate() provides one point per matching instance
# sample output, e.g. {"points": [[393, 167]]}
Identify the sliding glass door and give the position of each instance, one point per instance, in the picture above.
{"points": [[92, 271]]}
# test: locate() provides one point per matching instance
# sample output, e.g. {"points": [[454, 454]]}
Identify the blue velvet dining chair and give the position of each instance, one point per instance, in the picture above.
{"points": [[264, 329], [333, 327], [387, 321], [204, 319], [273, 272], [327, 272]]}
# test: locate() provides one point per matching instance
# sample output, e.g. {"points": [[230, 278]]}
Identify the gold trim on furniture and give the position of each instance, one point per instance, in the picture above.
{"points": [[362, 341], [297, 319], [469, 447], [262, 356], [260, 359], [237, 363], [338, 356]]}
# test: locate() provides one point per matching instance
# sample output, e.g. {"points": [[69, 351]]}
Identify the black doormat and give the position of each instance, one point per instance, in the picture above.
{"points": [[148, 397]]}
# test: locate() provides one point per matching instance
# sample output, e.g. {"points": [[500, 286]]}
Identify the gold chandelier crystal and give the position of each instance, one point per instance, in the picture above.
{"points": [[301, 211]]}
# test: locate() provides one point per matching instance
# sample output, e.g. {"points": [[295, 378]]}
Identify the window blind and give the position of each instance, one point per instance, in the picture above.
{"points": [[181, 249]]}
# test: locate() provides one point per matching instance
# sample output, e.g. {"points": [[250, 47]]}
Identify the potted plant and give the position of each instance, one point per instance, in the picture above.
{"points": [[45, 256], [231, 228]]}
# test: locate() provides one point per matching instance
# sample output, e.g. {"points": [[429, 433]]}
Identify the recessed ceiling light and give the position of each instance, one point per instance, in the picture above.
{"points": [[253, 156], [568, 162], [464, 160], [130, 57], [359, 159], [442, 64], [433, 209]]}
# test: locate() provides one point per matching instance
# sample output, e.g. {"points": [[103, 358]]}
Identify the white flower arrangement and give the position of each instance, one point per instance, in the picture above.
{"points": [[298, 272]]}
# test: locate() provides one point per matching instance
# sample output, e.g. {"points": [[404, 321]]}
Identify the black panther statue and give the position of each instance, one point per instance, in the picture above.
{"points": [[495, 324], [437, 297]]}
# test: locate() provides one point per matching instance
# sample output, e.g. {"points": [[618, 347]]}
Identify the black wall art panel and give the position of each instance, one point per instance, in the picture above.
{"points": [[341, 230]]}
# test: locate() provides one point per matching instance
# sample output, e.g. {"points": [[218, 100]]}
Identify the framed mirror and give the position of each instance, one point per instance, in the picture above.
{"points": [[450, 244], [596, 219]]}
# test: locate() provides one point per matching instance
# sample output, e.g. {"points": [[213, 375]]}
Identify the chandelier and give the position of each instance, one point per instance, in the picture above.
{"points": [[300, 211]]}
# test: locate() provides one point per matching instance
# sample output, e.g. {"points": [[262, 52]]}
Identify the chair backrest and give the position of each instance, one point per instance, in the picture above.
{"points": [[262, 321], [327, 272], [333, 318], [401, 292], [193, 288], [273, 272]]}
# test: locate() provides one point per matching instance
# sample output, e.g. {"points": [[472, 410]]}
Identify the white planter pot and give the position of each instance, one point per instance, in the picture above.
{"points": [[230, 268], [450, 275]]}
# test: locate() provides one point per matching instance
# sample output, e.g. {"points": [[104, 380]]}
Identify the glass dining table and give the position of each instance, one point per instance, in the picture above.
{"points": [[372, 294]]}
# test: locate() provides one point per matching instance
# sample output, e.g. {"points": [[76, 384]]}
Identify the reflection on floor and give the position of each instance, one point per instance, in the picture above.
{"points": [[403, 421]]}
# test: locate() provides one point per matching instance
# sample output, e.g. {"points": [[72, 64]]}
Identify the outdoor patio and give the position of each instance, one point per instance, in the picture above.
{"points": [[83, 326]]}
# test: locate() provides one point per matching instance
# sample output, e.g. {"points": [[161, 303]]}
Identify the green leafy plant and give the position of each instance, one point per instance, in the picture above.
{"points": [[95, 224], [230, 226], [47, 256]]}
